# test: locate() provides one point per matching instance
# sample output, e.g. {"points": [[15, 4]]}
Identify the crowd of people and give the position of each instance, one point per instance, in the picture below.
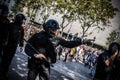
{"points": [[45, 46], [82, 53]]}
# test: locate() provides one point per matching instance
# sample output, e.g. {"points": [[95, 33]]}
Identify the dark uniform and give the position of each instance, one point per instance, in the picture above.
{"points": [[45, 43], [4, 24], [15, 37], [115, 73], [103, 72]]}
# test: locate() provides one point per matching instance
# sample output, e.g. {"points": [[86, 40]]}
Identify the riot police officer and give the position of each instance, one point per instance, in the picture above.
{"points": [[15, 37], [4, 24], [115, 72], [41, 48], [105, 63]]}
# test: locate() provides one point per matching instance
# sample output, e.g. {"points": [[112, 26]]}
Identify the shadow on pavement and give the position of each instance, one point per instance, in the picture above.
{"points": [[60, 71]]}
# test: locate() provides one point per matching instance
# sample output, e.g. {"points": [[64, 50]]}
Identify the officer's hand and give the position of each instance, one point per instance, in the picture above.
{"points": [[107, 62], [40, 56], [111, 59]]}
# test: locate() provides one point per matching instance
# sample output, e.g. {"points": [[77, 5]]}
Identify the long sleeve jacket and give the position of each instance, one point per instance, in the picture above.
{"points": [[15, 35], [4, 24], [45, 44]]}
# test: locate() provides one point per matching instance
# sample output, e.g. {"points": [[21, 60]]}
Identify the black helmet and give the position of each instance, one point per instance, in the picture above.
{"points": [[51, 25], [19, 18], [4, 9], [113, 46]]}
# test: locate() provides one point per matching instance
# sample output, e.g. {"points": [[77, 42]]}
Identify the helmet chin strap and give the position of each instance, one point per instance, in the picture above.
{"points": [[50, 33]]}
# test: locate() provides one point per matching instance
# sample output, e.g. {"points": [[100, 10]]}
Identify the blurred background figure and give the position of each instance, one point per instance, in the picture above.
{"points": [[105, 62], [4, 24], [15, 37]]}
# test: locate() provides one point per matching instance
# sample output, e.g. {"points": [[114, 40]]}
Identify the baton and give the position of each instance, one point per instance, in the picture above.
{"points": [[37, 51], [32, 46]]}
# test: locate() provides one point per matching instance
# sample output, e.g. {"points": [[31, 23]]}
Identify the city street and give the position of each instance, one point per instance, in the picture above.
{"points": [[61, 70], [88, 33]]}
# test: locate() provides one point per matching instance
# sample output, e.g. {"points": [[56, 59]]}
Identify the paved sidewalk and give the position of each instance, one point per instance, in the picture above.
{"points": [[60, 71]]}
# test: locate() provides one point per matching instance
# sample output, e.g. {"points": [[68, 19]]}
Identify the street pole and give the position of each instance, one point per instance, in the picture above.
{"points": [[93, 41]]}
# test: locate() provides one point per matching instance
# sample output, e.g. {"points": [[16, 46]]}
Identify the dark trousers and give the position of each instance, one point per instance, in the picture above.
{"points": [[66, 54], [1, 52], [41, 69], [59, 53], [7, 57]]}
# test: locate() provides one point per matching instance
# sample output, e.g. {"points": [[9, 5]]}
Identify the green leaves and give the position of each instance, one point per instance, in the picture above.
{"points": [[112, 37], [87, 12], [18, 6], [94, 11]]}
